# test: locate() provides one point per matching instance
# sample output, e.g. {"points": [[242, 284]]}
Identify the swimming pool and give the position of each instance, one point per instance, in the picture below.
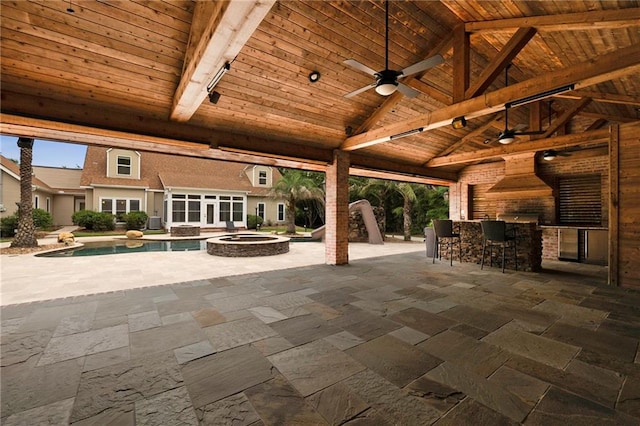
{"points": [[128, 246]]}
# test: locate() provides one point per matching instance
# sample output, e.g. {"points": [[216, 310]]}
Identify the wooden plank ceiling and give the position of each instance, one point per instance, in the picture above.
{"points": [[135, 73]]}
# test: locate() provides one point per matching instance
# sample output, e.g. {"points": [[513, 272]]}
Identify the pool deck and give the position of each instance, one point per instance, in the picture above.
{"points": [[29, 278]]}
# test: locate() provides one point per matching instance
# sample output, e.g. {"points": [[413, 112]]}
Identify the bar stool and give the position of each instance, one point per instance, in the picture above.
{"points": [[444, 229], [494, 233]]}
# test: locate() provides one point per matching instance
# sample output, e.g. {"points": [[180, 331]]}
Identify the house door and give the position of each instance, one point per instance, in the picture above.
{"points": [[210, 213]]}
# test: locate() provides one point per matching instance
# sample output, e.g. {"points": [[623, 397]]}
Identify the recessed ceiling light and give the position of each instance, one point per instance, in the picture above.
{"points": [[314, 76]]}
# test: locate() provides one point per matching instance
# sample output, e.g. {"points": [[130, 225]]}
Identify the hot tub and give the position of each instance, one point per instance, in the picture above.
{"points": [[247, 245]]}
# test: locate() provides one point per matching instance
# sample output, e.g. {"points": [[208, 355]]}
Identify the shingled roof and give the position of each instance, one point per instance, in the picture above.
{"points": [[159, 171]]}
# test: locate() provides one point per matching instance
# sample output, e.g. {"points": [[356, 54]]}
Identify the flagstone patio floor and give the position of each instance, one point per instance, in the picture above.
{"points": [[382, 341]]}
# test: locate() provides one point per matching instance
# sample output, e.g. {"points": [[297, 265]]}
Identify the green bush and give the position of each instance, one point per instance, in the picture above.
{"points": [[93, 221], [84, 218], [253, 221], [104, 222], [136, 220], [8, 226], [42, 219]]}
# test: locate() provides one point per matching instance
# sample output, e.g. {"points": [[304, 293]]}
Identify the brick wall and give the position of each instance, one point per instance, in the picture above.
{"points": [[337, 210]]}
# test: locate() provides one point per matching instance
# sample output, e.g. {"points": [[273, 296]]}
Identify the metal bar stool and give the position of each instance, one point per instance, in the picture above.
{"points": [[494, 233], [444, 229]]}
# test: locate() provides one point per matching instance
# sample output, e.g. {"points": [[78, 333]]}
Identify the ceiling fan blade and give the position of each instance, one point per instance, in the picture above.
{"points": [[360, 90], [532, 132], [409, 92], [422, 65], [357, 65]]}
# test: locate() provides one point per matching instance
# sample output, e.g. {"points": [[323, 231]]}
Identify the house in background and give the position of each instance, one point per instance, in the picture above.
{"points": [[179, 190], [55, 190]]}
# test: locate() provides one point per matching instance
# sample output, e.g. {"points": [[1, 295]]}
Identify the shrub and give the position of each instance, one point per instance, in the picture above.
{"points": [[42, 219], [8, 226], [84, 218], [104, 222], [253, 221], [95, 221], [136, 220]]}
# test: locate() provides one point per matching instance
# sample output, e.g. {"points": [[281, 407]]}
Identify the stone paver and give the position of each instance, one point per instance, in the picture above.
{"points": [[383, 341]]}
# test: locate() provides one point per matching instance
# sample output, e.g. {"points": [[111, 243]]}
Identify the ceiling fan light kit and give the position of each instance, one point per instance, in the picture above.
{"points": [[549, 155], [506, 139]]}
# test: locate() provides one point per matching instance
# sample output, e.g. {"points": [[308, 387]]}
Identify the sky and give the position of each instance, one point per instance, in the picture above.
{"points": [[46, 153]]}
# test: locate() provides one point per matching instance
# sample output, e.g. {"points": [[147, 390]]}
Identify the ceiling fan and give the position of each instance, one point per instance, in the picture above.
{"points": [[508, 135], [387, 80]]}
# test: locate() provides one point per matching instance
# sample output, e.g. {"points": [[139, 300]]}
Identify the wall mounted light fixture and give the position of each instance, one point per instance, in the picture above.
{"points": [[216, 78], [459, 122]]}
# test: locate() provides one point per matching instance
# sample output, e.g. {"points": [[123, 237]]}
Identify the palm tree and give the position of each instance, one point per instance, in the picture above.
{"points": [[294, 186], [406, 190], [26, 233]]}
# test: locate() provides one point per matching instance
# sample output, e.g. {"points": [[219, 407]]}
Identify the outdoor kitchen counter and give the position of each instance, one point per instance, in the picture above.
{"points": [[529, 244]]}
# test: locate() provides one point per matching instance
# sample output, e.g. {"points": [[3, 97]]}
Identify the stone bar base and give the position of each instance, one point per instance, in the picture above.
{"points": [[529, 243], [185, 231]]}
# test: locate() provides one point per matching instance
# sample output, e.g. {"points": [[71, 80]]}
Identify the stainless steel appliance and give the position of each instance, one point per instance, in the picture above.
{"points": [[568, 244]]}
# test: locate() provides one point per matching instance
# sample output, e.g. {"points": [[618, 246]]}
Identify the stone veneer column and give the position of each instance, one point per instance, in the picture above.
{"points": [[337, 210]]}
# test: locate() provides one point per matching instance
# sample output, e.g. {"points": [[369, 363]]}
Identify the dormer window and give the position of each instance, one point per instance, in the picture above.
{"points": [[124, 165], [262, 177]]}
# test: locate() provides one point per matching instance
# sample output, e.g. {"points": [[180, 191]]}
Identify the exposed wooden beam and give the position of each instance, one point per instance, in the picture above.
{"points": [[595, 137], [611, 118], [414, 81], [500, 61], [596, 124], [74, 133], [219, 31], [472, 134], [595, 20], [603, 68], [601, 97], [431, 91], [375, 163], [461, 65], [565, 117]]}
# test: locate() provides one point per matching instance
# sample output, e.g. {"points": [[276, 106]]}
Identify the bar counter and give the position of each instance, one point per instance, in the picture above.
{"points": [[528, 239]]}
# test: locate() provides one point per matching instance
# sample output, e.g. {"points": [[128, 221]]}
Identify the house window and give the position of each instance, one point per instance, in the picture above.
{"points": [[280, 212], [119, 207], [262, 177], [124, 165], [178, 208], [231, 208], [260, 210], [48, 204], [36, 202], [225, 208], [194, 208], [106, 206], [238, 209]]}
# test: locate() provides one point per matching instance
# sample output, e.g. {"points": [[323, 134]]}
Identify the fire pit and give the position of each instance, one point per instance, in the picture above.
{"points": [[247, 245]]}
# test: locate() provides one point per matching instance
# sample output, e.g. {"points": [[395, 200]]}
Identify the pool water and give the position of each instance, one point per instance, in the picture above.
{"points": [[129, 246]]}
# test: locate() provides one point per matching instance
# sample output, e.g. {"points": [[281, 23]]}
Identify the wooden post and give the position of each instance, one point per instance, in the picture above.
{"points": [[461, 52], [614, 202], [337, 210]]}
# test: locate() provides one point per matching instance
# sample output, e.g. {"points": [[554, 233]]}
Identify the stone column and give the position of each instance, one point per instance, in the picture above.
{"points": [[337, 210]]}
